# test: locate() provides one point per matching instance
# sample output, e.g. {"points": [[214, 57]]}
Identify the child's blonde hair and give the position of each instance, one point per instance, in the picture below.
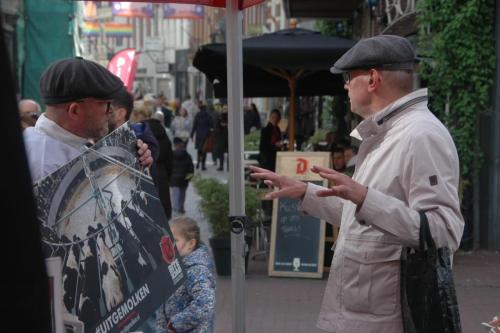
{"points": [[187, 227]]}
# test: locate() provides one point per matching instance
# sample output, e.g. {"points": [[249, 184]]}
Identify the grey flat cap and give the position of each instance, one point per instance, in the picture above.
{"points": [[74, 79], [384, 51]]}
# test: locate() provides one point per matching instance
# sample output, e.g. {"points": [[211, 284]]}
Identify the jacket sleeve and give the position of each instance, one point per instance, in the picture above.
{"points": [[195, 124], [202, 306], [190, 165], [169, 158], [161, 320], [324, 208], [429, 178], [264, 143]]}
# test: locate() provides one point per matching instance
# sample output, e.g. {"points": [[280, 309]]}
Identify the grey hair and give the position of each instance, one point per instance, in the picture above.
{"points": [[400, 79], [23, 101]]}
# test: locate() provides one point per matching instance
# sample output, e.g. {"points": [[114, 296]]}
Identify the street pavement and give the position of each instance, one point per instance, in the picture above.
{"points": [[277, 305]]}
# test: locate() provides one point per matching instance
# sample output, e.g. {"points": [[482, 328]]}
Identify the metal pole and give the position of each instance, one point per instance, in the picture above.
{"points": [[494, 220], [292, 84], [234, 22]]}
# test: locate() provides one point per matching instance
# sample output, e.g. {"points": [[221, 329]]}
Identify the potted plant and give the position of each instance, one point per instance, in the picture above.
{"points": [[318, 140], [214, 204]]}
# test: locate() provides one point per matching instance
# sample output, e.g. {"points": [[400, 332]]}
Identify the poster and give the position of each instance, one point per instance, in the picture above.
{"points": [[101, 214]]}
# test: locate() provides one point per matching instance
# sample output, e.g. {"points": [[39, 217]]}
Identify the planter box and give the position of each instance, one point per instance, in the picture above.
{"points": [[221, 249]]}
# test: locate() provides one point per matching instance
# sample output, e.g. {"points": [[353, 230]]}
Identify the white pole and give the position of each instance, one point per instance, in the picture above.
{"points": [[234, 23]]}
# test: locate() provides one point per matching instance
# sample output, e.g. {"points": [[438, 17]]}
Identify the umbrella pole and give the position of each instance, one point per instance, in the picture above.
{"points": [[234, 21], [292, 84]]}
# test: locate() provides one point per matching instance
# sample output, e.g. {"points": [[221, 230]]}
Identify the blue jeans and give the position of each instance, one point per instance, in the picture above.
{"points": [[178, 196]]}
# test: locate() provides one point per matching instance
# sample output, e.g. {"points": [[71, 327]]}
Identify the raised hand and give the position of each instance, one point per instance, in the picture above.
{"points": [[344, 187], [287, 186]]}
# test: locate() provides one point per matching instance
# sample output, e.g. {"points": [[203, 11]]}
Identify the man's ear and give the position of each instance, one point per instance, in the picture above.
{"points": [[73, 110], [374, 80]]}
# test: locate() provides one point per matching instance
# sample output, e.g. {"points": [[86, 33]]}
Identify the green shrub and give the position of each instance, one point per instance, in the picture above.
{"points": [[252, 140], [214, 204], [319, 136]]}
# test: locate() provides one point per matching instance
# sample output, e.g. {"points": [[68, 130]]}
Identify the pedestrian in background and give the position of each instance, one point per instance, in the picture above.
{"points": [[192, 307], [407, 163], [182, 126], [202, 128], [163, 163], [270, 141], [221, 140], [29, 111], [183, 169]]}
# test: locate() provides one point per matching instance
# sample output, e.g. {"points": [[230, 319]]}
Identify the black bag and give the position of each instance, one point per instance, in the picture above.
{"points": [[428, 300]]}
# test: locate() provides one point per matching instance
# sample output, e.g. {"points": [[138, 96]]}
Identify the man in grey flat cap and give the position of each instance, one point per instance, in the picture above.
{"points": [[78, 95], [407, 162]]}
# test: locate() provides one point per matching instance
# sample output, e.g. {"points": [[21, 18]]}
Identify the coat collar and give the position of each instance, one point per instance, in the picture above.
{"points": [[375, 123], [55, 131]]}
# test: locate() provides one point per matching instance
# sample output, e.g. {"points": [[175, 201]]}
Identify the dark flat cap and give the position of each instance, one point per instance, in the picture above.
{"points": [[73, 79], [384, 51]]}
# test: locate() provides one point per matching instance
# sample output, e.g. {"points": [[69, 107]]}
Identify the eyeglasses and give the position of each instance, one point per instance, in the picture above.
{"points": [[33, 115], [347, 77], [108, 104]]}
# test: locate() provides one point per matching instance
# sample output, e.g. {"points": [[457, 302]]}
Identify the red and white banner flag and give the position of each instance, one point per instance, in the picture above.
{"points": [[124, 65]]}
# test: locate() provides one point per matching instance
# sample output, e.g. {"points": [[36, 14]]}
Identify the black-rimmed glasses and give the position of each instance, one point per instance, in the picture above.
{"points": [[347, 77], [108, 104]]}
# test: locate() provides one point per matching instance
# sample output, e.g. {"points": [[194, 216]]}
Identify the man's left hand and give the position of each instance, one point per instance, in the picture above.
{"points": [[144, 154], [344, 187]]}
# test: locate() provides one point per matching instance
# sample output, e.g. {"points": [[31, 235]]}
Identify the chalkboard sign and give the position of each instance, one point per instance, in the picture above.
{"points": [[297, 239], [298, 242]]}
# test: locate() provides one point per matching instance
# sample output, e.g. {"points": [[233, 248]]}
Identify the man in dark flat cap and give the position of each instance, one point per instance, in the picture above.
{"points": [[406, 163], [78, 95]]}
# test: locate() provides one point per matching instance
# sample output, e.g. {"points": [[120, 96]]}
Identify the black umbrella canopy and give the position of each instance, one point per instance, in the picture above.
{"points": [[271, 60]]}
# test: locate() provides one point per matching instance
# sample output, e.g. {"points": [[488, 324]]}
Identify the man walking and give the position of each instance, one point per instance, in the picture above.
{"points": [[406, 163]]}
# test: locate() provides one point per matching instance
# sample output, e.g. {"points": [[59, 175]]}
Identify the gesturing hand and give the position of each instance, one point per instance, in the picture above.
{"points": [[344, 187], [496, 323], [287, 186]]}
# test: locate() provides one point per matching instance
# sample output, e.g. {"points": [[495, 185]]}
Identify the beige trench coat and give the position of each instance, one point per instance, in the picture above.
{"points": [[409, 162]]}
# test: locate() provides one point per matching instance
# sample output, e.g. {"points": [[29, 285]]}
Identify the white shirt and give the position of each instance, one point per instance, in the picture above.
{"points": [[49, 147]]}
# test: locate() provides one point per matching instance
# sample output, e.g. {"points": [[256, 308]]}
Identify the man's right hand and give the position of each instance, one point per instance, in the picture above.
{"points": [[287, 186], [496, 323]]}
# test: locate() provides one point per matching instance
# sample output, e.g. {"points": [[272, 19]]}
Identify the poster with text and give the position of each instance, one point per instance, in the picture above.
{"points": [[101, 214]]}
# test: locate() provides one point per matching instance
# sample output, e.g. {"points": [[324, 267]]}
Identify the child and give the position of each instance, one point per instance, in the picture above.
{"points": [[182, 169], [192, 307]]}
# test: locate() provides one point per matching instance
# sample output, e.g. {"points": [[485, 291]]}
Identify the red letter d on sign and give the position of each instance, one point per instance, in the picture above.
{"points": [[301, 166]]}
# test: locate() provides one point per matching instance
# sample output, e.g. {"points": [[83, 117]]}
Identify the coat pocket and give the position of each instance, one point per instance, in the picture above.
{"points": [[370, 277]]}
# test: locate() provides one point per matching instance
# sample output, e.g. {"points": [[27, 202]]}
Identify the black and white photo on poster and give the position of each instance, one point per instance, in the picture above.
{"points": [[102, 215]]}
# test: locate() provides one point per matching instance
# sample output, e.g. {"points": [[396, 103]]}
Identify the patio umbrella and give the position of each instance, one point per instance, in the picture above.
{"points": [[291, 62]]}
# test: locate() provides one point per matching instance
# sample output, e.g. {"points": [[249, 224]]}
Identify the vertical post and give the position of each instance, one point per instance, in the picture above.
{"points": [[234, 23], [493, 221], [292, 85]]}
